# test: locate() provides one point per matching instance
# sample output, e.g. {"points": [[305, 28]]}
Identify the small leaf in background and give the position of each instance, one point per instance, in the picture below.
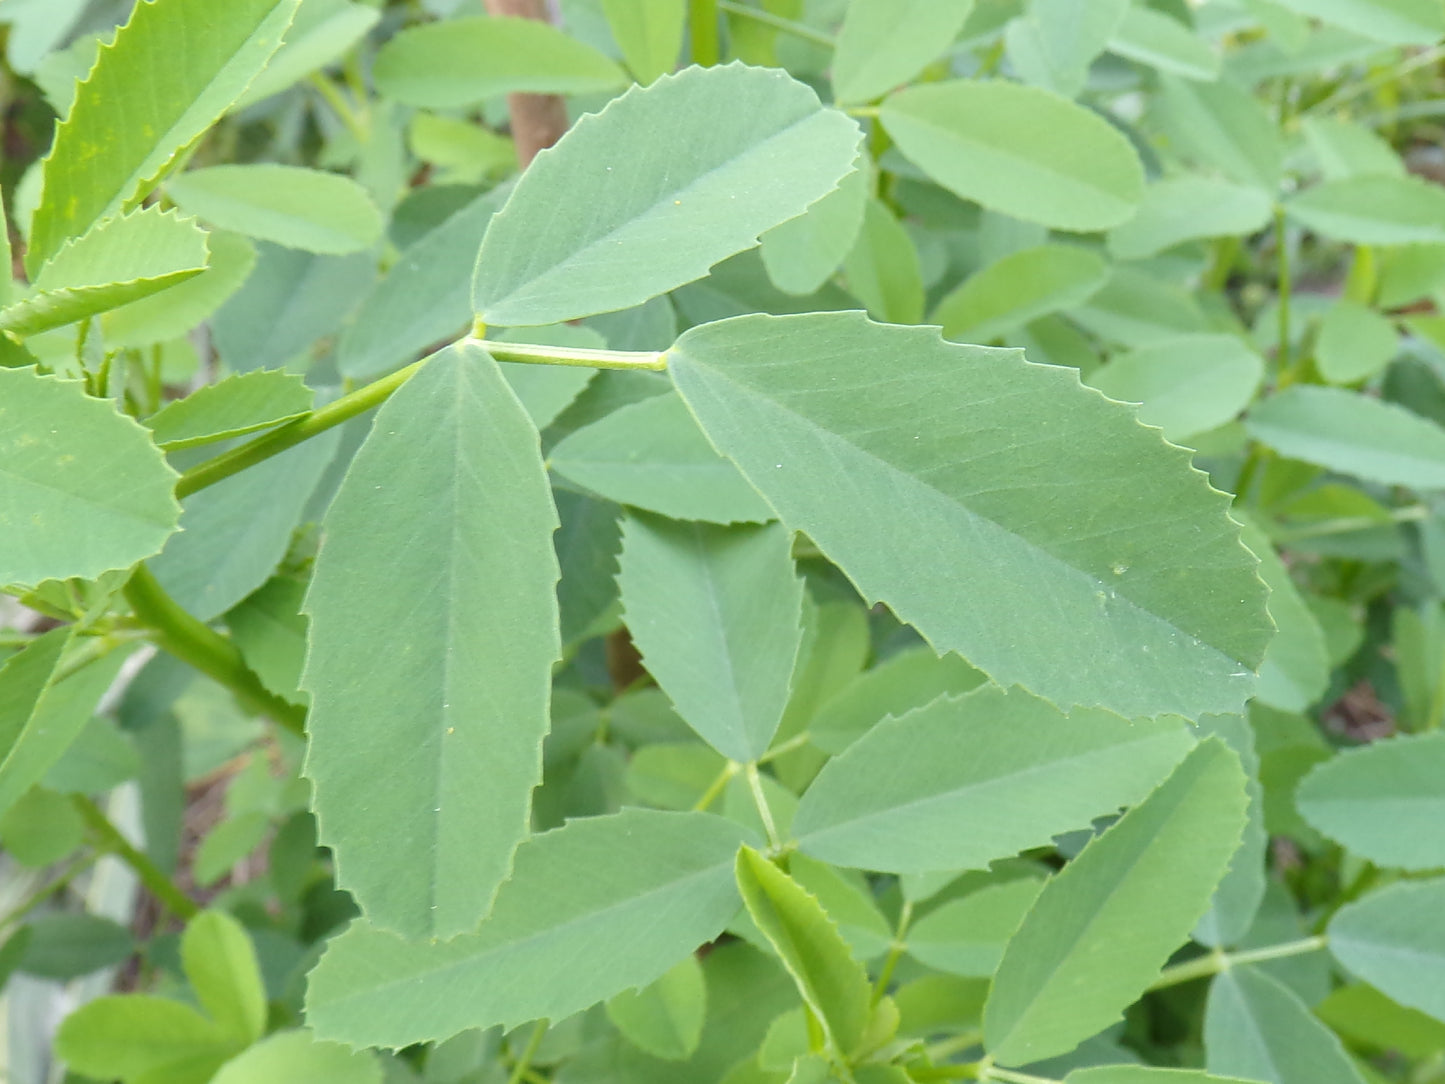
{"points": [[1053, 43], [137, 1037], [463, 61], [294, 1057], [716, 614], [270, 631], [602, 905], [1179, 209], [884, 43], [1365, 1017], [1164, 44], [1020, 288], [1221, 127], [1373, 210], [322, 33], [854, 465], [1136, 309], [1352, 434], [898, 684], [424, 297], [1104, 926], [1185, 385], [967, 936], [1394, 940], [1354, 343], [67, 946], [1383, 801], [1144, 1074], [119, 261], [138, 109], [179, 308], [832, 984], [715, 155], [652, 455], [239, 404], [664, 1018], [300, 208], [882, 269], [438, 553], [802, 253], [1257, 1028], [976, 778], [1398, 22], [649, 33], [41, 827], [1020, 150], [221, 965]]}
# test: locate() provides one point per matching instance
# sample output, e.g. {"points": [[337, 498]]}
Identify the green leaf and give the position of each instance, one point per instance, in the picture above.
{"points": [[1383, 801], [135, 1034], [665, 1018], [241, 403], [596, 907], [716, 614], [882, 268], [1053, 42], [1020, 150], [1373, 210], [1021, 287], [1179, 209], [884, 43], [270, 631], [1353, 434], [1175, 634], [651, 455], [300, 208], [1104, 926], [462, 61], [832, 984], [679, 175], [1144, 1074], [1354, 343], [1237, 898], [323, 32], [1184, 385], [98, 499], [1346, 148], [1365, 1017], [41, 827], [179, 308], [1393, 939], [649, 32], [975, 778], [848, 898], [1397, 22], [967, 936], [1135, 308], [1258, 1028], [234, 533], [1220, 126], [139, 108], [1296, 668], [222, 968], [438, 556], [902, 682], [802, 253], [1165, 44], [119, 261], [67, 946], [424, 297], [294, 1057]]}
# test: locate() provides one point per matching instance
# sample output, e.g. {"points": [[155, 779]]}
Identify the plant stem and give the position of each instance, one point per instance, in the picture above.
{"points": [[1215, 962], [110, 841], [946, 1048], [895, 950], [716, 787], [702, 21], [1345, 524], [1282, 289], [777, 22], [45, 891], [293, 433], [755, 784], [652, 360], [1392, 74], [524, 1062], [194, 642], [340, 106], [1012, 1077], [797, 741]]}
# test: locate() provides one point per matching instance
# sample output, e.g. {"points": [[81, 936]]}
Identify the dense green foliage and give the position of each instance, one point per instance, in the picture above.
{"points": [[904, 548]]}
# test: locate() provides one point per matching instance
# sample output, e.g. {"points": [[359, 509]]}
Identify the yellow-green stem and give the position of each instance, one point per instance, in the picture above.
{"points": [[755, 784], [777, 22], [1215, 962], [524, 1061], [108, 839]]}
